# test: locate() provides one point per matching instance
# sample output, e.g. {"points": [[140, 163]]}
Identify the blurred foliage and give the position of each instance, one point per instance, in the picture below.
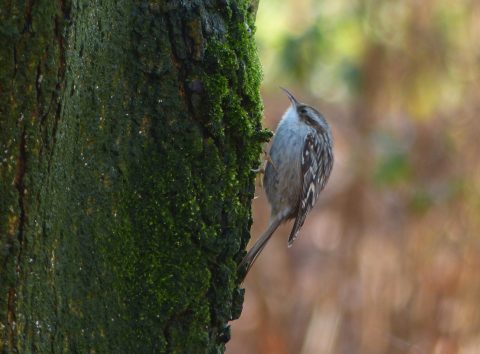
{"points": [[322, 45], [388, 261]]}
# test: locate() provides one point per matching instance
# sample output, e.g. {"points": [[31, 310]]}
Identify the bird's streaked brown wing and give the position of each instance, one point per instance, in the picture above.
{"points": [[315, 166]]}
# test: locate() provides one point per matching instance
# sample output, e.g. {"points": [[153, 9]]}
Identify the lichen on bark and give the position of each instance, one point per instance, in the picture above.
{"points": [[129, 133]]}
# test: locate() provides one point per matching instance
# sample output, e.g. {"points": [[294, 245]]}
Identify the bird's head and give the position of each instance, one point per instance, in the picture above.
{"points": [[306, 113]]}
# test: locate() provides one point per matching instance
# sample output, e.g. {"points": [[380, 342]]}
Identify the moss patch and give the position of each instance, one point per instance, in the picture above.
{"points": [[134, 128]]}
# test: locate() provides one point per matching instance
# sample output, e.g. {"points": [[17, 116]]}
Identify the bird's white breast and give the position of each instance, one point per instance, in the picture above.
{"points": [[284, 180]]}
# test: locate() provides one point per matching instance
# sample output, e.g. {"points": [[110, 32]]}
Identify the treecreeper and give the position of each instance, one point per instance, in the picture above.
{"points": [[299, 165]]}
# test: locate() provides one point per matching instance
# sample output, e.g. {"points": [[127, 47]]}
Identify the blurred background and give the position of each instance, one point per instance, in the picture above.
{"points": [[389, 260]]}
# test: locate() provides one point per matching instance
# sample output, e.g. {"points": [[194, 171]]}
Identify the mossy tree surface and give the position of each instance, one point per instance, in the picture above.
{"points": [[128, 133]]}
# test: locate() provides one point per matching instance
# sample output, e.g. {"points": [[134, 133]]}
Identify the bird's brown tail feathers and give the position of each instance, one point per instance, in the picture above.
{"points": [[252, 255]]}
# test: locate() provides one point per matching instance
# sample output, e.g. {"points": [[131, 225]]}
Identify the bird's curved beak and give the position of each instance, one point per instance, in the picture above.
{"points": [[291, 97]]}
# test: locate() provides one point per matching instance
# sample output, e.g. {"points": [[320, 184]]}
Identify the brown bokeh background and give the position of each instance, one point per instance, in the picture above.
{"points": [[389, 260]]}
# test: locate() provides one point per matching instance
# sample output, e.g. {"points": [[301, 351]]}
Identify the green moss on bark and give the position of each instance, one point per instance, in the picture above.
{"points": [[131, 130]]}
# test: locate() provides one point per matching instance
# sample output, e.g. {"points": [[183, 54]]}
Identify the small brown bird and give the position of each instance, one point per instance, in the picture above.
{"points": [[300, 163]]}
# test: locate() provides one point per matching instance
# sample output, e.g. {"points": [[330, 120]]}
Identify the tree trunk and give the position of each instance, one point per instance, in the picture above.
{"points": [[128, 133]]}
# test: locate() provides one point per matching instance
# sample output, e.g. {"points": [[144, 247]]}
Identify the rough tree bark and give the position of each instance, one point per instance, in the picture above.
{"points": [[128, 133]]}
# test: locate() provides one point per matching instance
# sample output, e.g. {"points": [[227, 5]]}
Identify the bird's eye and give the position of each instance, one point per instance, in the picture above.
{"points": [[303, 111]]}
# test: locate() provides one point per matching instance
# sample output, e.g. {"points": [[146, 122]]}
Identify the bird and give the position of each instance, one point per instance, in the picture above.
{"points": [[298, 168]]}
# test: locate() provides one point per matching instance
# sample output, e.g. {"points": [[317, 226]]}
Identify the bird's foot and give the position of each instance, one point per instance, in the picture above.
{"points": [[260, 170]]}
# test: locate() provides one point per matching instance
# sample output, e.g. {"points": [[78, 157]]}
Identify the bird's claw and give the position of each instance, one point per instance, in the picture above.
{"points": [[260, 170]]}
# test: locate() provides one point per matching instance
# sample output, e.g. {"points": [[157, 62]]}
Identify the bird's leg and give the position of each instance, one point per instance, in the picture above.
{"points": [[267, 158], [260, 170]]}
